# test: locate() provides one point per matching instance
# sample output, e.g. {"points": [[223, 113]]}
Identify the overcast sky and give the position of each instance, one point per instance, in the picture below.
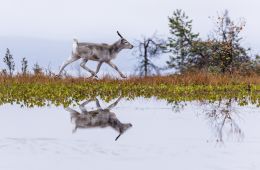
{"points": [[98, 20]]}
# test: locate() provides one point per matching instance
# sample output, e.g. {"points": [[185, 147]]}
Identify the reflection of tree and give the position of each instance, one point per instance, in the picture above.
{"points": [[178, 106], [222, 118]]}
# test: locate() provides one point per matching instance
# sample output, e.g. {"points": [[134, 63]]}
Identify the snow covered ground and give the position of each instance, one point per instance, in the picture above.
{"points": [[42, 138]]}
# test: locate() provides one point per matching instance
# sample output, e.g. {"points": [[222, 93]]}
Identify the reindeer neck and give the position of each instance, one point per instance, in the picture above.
{"points": [[115, 48], [116, 124]]}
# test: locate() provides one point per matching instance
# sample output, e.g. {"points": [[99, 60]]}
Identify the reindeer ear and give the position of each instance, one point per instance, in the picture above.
{"points": [[119, 34]]}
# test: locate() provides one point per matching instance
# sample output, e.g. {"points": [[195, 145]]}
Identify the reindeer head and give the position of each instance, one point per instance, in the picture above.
{"points": [[124, 44], [124, 128]]}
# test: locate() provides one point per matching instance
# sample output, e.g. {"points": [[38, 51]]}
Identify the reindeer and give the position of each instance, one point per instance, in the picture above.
{"points": [[102, 53], [97, 118]]}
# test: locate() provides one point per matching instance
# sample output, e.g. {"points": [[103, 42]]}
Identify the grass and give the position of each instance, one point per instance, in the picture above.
{"points": [[40, 90]]}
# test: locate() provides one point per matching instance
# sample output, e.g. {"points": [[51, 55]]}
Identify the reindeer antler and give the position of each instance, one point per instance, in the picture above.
{"points": [[119, 34], [118, 136]]}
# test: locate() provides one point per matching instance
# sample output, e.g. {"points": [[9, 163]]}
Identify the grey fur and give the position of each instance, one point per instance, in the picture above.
{"points": [[102, 53], [97, 118]]}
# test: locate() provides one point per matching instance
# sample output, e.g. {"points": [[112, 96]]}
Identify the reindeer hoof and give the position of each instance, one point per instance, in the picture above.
{"points": [[93, 75], [123, 76]]}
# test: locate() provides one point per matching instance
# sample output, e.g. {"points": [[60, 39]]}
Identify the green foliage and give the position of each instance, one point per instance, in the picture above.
{"points": [[227, 52], [222, 52], [255, 65], [181, 41], [57, 93]]}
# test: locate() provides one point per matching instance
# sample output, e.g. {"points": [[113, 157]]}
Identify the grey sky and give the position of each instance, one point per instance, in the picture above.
{"points": [[97, 21]]}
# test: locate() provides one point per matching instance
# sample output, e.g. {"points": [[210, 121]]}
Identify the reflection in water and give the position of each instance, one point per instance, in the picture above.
{"points": [[222, 117], [97, 118], [164, 138], [178, 106]]}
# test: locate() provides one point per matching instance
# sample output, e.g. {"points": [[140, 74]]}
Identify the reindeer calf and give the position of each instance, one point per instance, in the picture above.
{"points": [[97, 52]]}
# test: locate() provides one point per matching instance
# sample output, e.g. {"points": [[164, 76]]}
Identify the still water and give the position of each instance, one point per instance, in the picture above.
{"points": [[131, 134]]}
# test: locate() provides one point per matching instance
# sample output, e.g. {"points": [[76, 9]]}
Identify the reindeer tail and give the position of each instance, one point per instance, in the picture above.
{"points": [[75, 45], [75, 40]]}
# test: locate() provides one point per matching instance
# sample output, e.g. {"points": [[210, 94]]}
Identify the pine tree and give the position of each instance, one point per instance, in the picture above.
{"points": [[24, 66], [181, 40], [9, 61]]}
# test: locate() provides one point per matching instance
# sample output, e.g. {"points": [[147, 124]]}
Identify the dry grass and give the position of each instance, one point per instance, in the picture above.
{"points": [[40, 89], [196, 78]]}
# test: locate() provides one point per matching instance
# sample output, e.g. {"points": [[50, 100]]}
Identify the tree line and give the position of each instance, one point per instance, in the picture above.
{"points": [[10, 65], [221, 52]]}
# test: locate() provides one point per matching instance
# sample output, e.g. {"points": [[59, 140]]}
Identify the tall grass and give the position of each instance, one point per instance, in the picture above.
{"points": [[41, 89], [195, 78]]}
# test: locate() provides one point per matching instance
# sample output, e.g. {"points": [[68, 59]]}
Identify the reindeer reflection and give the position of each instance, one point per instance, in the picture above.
{"points": [[97, 118], [221, 116]]}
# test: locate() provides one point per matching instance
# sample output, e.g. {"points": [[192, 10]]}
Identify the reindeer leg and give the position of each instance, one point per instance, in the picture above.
{"points": [[83, 65], [114, 104], [75, 129], [97, 104], [70, 60], [116, 68], [82, 106], [97, 70], [98, 67]]}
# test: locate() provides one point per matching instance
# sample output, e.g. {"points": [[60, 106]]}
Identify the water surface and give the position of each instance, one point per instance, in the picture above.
{"points": [[185, 135]]}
